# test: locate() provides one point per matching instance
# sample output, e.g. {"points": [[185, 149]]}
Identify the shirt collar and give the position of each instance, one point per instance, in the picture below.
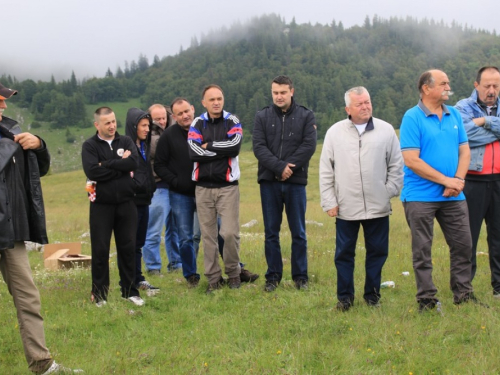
{"points": [[429, 113]]}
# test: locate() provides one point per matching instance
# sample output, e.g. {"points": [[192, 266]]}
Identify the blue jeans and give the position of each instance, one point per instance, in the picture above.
{"points": [[159, 215], [376, 233], [183, 207], [196, 233], [275, 195]]}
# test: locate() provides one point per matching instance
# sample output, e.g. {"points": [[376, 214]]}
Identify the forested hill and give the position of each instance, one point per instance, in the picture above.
{"points": [[386, 56]]}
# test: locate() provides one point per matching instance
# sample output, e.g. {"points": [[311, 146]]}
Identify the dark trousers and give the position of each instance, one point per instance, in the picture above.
{"points": [[274, 196], [376, 233], [140, 240], [483, 201], [453, 218], [121, 219]]}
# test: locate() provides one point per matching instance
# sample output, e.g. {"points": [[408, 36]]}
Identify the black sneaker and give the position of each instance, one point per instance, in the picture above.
{"points": [[248, 277], [426, 304], [344, 306], [215, 286], [372, 302], [270, 286], [234, 282], [150, 289], [301, 284], [470, 297], [154, 273], [193, 281]]}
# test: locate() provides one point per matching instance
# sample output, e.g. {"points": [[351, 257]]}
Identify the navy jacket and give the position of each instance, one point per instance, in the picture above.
{"points": [[281, 138]]}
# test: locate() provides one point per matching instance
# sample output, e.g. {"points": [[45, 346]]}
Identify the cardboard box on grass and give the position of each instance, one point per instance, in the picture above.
{"points": [[65, 255]]}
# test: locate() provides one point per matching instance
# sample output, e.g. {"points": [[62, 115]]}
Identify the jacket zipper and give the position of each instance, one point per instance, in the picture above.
{"points": [[493, 158], [360, 173], [282, 136]]}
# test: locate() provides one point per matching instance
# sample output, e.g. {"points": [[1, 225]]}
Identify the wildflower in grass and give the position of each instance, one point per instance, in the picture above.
{"points": [[368, 350], [205, 364], [483, 327], [397, 333], [350, 328], [117, 353], [278, 352]]}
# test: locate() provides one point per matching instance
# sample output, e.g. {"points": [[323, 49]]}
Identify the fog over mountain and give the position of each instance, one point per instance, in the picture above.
{"points": [[55, 37]]}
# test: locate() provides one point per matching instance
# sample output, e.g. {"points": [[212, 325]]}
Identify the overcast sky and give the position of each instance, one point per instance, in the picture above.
{"points": [[40, 38]]}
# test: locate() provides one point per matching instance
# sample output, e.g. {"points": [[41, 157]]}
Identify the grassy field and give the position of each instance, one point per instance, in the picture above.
{"points": [[66, 156], [248, 331]]}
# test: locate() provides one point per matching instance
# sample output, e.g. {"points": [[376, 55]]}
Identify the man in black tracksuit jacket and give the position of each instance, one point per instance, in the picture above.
{"points": [[137, 127], [109, 161]]}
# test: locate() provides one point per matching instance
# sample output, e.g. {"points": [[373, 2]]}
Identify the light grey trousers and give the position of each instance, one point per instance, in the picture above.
{"points": [[224, 202], [16, 272]]}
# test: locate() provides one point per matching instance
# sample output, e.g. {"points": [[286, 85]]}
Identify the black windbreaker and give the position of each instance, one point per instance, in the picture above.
{"points": [[22, 212], [280, 138]]}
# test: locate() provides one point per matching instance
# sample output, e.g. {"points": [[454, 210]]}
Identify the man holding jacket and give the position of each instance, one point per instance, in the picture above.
{"points": [[284, 140], [24, 158], [361, 169]]}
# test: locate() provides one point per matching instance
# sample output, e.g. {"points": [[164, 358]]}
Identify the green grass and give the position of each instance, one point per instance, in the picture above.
{"points": [[67, 156], [248, 331]]}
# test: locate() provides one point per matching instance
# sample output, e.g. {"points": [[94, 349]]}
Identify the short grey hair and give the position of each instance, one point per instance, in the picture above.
{"points": [[358, 90]]}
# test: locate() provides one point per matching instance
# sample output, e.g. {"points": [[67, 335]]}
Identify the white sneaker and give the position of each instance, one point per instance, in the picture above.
{"points": [[136, 300], [56, 368], [101, 303]]}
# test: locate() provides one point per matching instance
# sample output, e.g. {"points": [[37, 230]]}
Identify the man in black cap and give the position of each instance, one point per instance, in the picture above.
{"points": [[24, 158]]}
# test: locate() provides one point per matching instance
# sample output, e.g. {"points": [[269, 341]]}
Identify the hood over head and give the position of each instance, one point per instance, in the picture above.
{"points": [[134, 115]]}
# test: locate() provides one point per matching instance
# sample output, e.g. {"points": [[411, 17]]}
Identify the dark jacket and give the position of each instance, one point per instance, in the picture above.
{"points": [[281, 138], [143, 175], [114, 183], [172, 162], [217, 165], [156, 132], [22, 212]]}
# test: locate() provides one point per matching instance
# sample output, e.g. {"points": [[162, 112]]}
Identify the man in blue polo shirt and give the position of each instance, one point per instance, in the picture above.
{"points": [[436, 155]]}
